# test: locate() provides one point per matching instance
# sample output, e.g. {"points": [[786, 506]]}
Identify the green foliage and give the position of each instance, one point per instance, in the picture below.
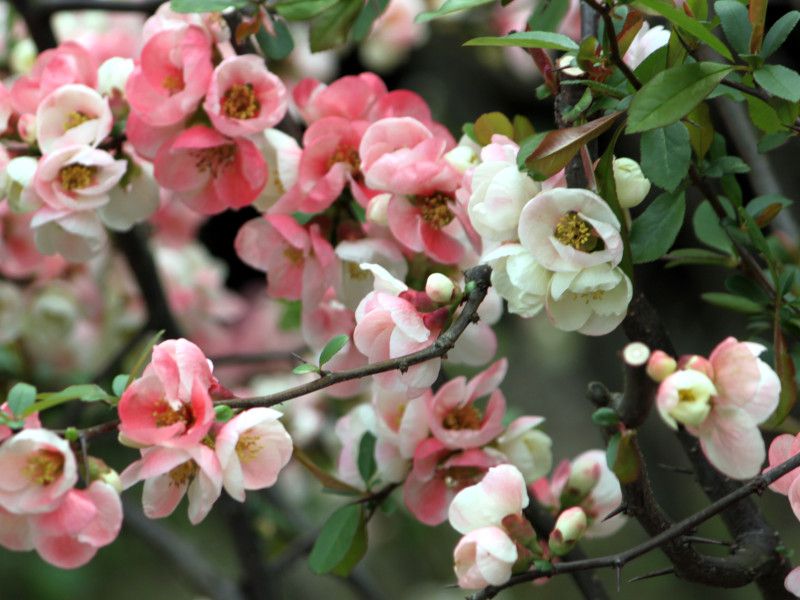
{"points": [[334, 345], [666, 155], [86, 392], [20, 398], [119, 383], [735, 23], [301, 10], [547, 16], [223, 413], [331, 27], [779, 32], [448, 8], [371, 10], [605, 417], [366, 457], [202, 6], [654, 231], [708, 230], [622, 457], [339, 535], [672, 94], [732, 302], [527, 39], [779, 81], [489, 124], [304, 368], [277, 45]]}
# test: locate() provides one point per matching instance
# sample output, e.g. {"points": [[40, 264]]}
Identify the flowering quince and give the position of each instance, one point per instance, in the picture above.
{"points": [[282, 154], [631, 184], [722, 400], [252, 449], [400, 421], [484, 557], [394, 33], [782, 449], [209, 171], [31, 422], [244, 98], [647, 40], [351, 97], [72, 115], [519, 279], [527, 447], [499, 191], [456, 421], [570, 526], [792, 582]]}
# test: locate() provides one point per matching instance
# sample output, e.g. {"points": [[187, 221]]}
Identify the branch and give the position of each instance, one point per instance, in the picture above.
{"points": [[756, 485], [604, 11], [479, 276]]}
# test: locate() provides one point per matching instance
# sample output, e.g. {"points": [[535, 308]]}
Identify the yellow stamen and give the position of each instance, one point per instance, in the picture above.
{"points": [[44, 467], [573, 231], [466, 417], [295, 255], [173, 84], [164, 415], [215, 159], [435, 209], [240, 102], [76, 118], [183, 474], [248, 446], [76, 177], [356, 272]]}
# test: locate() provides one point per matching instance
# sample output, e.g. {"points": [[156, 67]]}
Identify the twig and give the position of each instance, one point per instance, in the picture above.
{"points": [[616, 57]]}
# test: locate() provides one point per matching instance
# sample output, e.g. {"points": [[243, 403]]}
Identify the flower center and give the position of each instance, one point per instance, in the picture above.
{"points": [[588, 297], [456, 477], [465, 417], [294, 255], [355, 272], [240, 102], [213, 160], [164, 415], [76, 118], [76, 177], [573, 231], [44, 467], [686, 396], [248, 446], [435, 209], [183, 473], [349, 156], [173, 84]]}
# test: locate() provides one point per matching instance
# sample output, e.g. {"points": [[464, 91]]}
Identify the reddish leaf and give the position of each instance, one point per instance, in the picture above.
{"points": [[247, 28], [758, 15]]}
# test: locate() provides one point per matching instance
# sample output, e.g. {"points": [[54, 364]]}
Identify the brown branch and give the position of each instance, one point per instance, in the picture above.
{"points": [[604, 10], [253, 359]]}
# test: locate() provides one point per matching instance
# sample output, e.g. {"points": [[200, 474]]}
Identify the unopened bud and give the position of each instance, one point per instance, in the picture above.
{"points": [[583, 477], [113, 75], [378, 209], [632, 186], [570, 527], [26, 127], [661, 365], [440, 288], [100, 471]]}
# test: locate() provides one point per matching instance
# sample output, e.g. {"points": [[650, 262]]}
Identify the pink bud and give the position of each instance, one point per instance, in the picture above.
{"points": [[697, 363], [661, 365], [440, 288], [583, 478], [570, 526]]}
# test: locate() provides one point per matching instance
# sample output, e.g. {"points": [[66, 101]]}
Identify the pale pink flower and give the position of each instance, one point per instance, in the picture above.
{"points": [[792, 582], [350, 429], [527, 447], [211, 172], [394, 34], [647, 40], [171, 472], [148, 139], [6, 108], [244, 98], [401, 421], [499, 494], [73, 114], [16, 531], [456, 421], [782, 449], [77, 236], [19, 257], [484, 557], [38, 468], [355, 283], [351, 97], [569, 229], [171, 75], [282, 154], [85, 521], [171, 400]]}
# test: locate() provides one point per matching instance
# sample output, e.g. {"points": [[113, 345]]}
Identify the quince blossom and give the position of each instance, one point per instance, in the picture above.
{"points": [[72, 115], [782, 449]]}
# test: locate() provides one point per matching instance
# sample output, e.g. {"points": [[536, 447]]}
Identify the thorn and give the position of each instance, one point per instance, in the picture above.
{"points": [[674, 469], [704, 540], [621, 509], [651, 574]]}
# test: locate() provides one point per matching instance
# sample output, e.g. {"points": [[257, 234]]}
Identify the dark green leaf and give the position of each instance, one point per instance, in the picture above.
{"points": [[302, 10], [731, 302], [771, 141], [330, 27], [725, 165], [666, 155], [366, 457], [371, 11], [20, 398], [358, 548], [527, 39], [605, 417], [277, 45], [690, 25], [778, 33], [742, 286], [528, 147], [305, 368], [335, 539], [332, 347], [672, 94], [449, 7], [708, 230], [622, 457], [763, 115], [757, 205], [698, 256], [779, 81], [735, 24], [654, 231], [199, 6], [651, 66]]}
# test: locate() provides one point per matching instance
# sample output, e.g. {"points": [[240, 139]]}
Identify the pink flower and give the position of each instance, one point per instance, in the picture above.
{"points": [[244, 98], [439, 473], [169, 473], [456, 421], [782, 449], [69, 63], [72, 115], [171, 76], [484, 557], [170, 401], [499, 494], [16, 531], [298, 261], [85, 521], [18, 254], [351, 97], [6, 108], [252, 449], [792, 582], [401, 421], [147, 139], [211, 172], [38, 468], [350, 429]]}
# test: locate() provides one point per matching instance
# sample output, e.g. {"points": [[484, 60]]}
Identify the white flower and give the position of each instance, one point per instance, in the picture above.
{"points": [[518, 278], [527, 448], [19, 175], [685, 397], [282, 154], [113, 75], [632, 186], [72, 114]]}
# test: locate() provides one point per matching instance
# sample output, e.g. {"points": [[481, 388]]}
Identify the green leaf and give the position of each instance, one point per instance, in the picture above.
{"points": [[690, 25], [708, 230], [778, 33], [666, 155], [290, 315], [547, 16], [335, 539], [527, 39], [725, 165], [119, 384], [605, 417], [654, 231], [330, 27], [732, 302], [779, 81], [651, 66], [757, 205], [302, 10], [449, 7], [277, 45], [491, 123], [358, 548], [735, 23], [701, 129], [698, 256], [366, 457], [86, 392], [622, 458], [332, 347], [305, 368], [771, 141], [672, 94], [200, 6], [763, 115], [372, 10], [740, 285], [223, 413], [20, 398]]}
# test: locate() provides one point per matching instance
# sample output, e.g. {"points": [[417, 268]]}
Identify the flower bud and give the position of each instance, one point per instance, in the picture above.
{"points": [[570, 526], [685, 397], [661, 365], [462, 157], [113, 75], [23, 56], [26, 127], [378, 209], [527, 447], [584, 475], [19, 179], [100, 471], [440, 288], [632, 186]]}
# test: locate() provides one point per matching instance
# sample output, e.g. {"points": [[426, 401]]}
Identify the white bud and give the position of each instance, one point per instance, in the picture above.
{"points": [[113, 75], [570, 527], [440, 288], [378, 209], [632, 186], [23, 56]]}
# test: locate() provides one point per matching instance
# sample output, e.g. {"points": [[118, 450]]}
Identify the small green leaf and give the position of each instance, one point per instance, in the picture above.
{"points": [[622, 457], [200, 6], [492, 123], [672, 94], [548, 16], [740, 285], [223, 413], [86, 392], [335, 539], [277, 45], [725, 165], [372, 10], [654, 231], [119, 384], [358, 548], [302, 10], [330, 28], [666, 155], [366, 457], [527, 39], [735, 23], [698, 256], [708, 230], [732, 302], [305, 368], [605, 417], [779, 32], [449, 7], [763, 115], [779, 81], [71, 434], [334, 345], [758, 205], [20, 398]]}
